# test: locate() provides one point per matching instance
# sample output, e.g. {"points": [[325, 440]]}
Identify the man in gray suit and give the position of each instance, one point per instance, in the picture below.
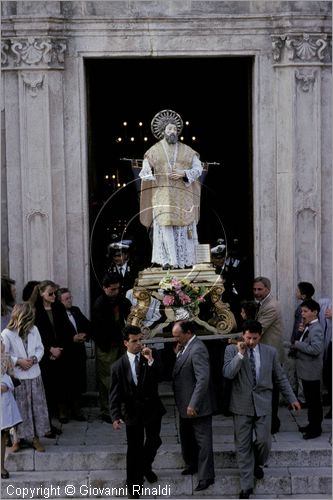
{"points": [[309, 362], [191, 385], [251, 367]]}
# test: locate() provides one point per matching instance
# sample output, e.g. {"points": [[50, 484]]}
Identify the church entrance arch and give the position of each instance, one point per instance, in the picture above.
{"points": [[213, 96]]}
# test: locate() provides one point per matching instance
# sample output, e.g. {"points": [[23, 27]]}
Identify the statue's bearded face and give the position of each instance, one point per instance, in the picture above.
{"points": [[170, 133]]}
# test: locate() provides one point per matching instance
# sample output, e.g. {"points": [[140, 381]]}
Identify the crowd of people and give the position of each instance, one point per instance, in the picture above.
{"points": [[43, 338]]}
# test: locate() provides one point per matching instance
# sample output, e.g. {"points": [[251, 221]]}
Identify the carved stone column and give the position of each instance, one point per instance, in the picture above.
{"points": [[32, 74], [302, 62]]}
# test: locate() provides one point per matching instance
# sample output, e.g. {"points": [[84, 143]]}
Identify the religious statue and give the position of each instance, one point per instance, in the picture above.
{"points": [[170, 194]]}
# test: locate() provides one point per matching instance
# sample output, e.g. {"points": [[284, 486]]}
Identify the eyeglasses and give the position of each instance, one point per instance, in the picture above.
{"points": [[51, 293]]}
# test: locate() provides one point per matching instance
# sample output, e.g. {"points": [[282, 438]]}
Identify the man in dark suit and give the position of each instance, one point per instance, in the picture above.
{"points": [[134, 399], [109, 314], [81, 332], [252, 367], [192, 389], [309, 362]]}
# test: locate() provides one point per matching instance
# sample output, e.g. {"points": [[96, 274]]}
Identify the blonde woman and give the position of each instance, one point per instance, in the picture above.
{"points": [[24, 345]]}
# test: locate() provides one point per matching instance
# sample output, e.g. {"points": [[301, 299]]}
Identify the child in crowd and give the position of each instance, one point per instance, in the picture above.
{"points": [[10, 414]]}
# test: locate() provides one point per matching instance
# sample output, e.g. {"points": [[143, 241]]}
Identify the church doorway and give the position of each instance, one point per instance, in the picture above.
{"points": [[213, 97]]}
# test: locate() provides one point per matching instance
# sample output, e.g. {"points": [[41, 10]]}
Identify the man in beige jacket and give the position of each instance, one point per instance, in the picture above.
{"points": [[269, 315]]}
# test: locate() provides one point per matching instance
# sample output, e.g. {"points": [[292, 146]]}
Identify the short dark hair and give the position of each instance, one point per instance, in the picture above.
{"points": [[250, 308], [186, 325], [130, 330], [311, 304], [306, 289], [28, 289], [110, 279], [252, 326]]}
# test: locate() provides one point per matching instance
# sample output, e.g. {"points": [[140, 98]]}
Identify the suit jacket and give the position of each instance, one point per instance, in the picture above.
{"points": [[77, 351], [309, 353], [269, 315], [246, 399], [135, 403], [108, 319], [191, 380]]}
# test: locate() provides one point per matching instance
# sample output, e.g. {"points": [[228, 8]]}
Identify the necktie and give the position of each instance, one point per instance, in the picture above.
{"points": [[305, 334], [253, 367], [258, 307], [180, 352], [137, 365]]}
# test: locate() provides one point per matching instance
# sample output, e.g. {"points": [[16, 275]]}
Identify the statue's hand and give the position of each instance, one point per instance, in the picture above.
{"points": [[178, 173]]}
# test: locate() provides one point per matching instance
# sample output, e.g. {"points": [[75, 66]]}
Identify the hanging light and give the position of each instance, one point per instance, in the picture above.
{"points": [[145, 139], [181, 138], [125, 124], [106, 177], [194, 138], [187, 123], [132, 139], [140, 124], [119, 139], [113, 176]]}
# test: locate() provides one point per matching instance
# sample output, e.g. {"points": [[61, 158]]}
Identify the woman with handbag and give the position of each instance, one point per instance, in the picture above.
{"points": [[24, 345]]}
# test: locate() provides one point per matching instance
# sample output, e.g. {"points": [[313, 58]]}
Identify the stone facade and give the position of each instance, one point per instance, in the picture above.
{"points": [[45, 231]]}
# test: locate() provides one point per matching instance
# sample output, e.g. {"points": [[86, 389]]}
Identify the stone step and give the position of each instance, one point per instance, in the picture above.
{"points": [[92, 454], [283, 481], [99, 457]]}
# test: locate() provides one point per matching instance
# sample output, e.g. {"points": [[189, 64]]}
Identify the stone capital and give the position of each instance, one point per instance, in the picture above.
{"points": [[33, 53], [295, 48]]}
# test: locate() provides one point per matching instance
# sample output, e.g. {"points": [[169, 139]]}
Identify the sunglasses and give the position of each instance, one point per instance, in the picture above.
{"points": [[51, 293]]}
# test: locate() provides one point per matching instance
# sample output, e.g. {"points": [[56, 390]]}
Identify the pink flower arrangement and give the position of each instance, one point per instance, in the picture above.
{"points": [[181, 293]]}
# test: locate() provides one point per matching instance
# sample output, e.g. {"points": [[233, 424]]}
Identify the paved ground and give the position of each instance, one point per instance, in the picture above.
{"points": [[92, 454]]}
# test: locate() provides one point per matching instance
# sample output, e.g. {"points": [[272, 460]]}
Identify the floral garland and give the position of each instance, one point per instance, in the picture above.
{"points": [[181, 293]]}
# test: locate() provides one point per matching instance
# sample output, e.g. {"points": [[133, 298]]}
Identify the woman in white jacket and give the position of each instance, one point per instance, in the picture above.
{"points": [[24, 345]]}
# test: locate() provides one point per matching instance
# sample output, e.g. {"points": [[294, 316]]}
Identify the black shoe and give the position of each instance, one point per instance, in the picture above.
{"points": [[258, 472], [246, 493], [107, 419], [56, 430], [4, 474], [166, 267], [63, 420], [203, 484], [329, 414], [189, 471], [150, 476], [303, 429], [311, 435], [79, 417], [50, 435]]}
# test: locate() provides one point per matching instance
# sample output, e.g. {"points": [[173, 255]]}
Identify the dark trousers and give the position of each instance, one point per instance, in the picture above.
{"points": [[197, 445], [313, 400], [143, 441]]}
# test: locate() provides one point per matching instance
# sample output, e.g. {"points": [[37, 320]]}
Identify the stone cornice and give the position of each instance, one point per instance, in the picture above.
{"points": [[33, 53], [302, 48]]}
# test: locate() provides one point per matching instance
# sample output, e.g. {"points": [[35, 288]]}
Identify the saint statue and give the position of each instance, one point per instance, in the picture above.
{"points": [[170, 194]]}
